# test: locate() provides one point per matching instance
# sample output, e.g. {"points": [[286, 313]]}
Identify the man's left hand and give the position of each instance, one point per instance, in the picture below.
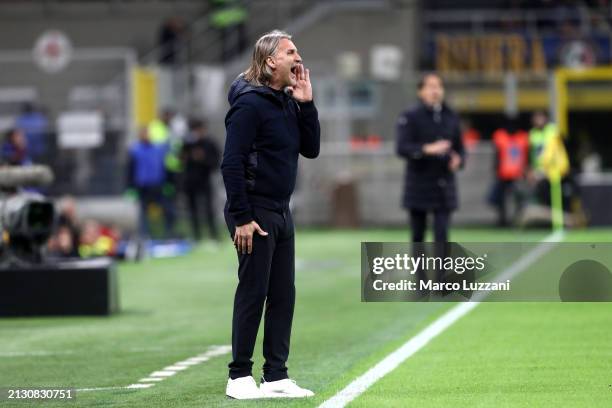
{"points": [[302, 91], [455, 162]]}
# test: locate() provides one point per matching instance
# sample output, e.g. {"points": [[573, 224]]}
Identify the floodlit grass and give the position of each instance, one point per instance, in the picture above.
{"points": [[508, 355], [173, 309]]}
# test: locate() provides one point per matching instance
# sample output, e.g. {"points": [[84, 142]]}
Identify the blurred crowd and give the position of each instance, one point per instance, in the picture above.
{"points": [[174, 159], [565, 17], [76, 238], [526, 162], [170, 158], [27, 141]]}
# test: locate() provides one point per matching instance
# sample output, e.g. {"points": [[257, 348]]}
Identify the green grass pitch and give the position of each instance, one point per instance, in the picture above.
{"points": [[510, 354]]}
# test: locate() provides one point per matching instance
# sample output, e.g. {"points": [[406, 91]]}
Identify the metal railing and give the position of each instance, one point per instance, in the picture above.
{"points": [[201, 42], [478, 21]]}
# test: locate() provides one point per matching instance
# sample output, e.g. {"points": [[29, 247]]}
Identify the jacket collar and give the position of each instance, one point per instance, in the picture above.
{"points": [[430, 109], [240, 87]]}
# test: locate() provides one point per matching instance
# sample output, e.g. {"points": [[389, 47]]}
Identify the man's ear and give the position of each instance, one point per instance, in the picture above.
{"points": [[271, 62]]}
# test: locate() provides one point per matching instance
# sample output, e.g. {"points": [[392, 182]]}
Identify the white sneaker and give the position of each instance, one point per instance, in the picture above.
{"points": [[284, 389], [243, 388]]}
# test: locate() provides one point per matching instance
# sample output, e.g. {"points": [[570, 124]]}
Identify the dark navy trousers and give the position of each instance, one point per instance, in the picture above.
{"points": [[266, 278], [418, 223]]}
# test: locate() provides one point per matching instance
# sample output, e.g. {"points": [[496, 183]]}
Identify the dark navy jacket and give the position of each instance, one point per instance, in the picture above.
{"points": [[429, 184], [266, 132]]}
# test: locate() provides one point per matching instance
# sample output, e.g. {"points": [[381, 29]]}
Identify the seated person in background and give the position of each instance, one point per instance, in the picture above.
{"points": [[15, 148], [94, 242], [62, 245], [67, 217]]}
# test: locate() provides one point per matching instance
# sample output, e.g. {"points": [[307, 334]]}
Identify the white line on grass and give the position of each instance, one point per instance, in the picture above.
{"points": [[52, 353], [393, 360], [39, 353], [160, 375]]}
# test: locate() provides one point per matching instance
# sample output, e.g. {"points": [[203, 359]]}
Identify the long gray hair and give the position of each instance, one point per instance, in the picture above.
{"points": [[259, 73]]}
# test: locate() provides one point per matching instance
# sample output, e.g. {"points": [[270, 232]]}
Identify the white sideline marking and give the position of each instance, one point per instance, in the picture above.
{"points": [[186, 363], [41, 353], [160, 375], [138, 386], [100, 388], [393, 360], [50, 353], [175, 368]]}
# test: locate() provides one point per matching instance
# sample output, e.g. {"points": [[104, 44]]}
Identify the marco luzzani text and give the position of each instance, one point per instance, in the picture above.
{"points": [[411, 264]]}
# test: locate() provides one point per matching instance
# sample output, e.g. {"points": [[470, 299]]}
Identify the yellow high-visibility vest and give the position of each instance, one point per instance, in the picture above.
{"points": [[538, 139], [554, 159], [158, 132]]}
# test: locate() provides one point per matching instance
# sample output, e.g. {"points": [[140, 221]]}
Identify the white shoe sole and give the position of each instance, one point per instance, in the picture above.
{"points": [[233, 396], [238, 398]]}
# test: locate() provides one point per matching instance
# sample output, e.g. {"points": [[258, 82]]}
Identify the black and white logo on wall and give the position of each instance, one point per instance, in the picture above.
{"points": [[52, 51], [578, 54]]}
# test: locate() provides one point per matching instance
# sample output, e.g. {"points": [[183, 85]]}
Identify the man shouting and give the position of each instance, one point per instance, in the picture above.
{"points": [[272, 120]]}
